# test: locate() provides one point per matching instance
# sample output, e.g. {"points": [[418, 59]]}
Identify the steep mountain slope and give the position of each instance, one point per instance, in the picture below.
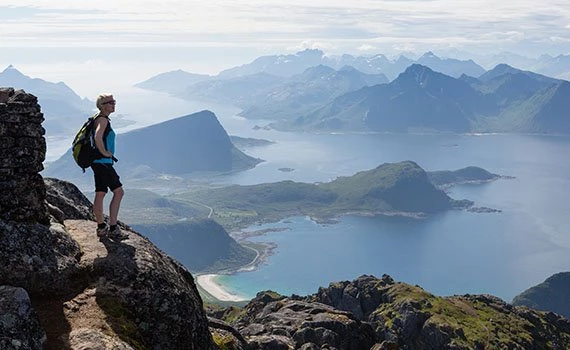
{"points": [[200, 245], [550, 295], [505, 100], [419, 99], [400, 186], [195, 142]]}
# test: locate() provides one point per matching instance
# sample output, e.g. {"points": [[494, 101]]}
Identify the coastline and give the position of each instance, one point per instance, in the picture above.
{"points": [[208, 282], [216, 290]]}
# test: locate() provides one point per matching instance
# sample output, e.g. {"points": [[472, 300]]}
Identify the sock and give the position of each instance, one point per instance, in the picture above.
{"points": [[101, 225]]}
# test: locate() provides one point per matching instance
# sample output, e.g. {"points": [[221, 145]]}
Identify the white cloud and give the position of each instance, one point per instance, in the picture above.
{"points": [[339, 25], [208, 36], [366, 48]]}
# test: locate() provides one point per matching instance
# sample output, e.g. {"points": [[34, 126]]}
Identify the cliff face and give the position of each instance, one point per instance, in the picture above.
{"points": [[61, 287]]}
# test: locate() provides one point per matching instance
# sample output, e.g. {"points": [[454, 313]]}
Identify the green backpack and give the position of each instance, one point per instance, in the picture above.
{"points": [[83, 146]]}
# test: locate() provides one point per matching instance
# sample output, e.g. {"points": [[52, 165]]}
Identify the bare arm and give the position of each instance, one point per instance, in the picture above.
{"points": [[100, 126]]}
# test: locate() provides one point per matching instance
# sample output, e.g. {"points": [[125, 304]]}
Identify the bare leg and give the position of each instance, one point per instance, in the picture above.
{"points": [[98, 207], [115, 205]]}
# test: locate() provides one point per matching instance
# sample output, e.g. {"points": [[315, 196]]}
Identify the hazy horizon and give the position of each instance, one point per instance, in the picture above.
{"points": [[111, 45]]}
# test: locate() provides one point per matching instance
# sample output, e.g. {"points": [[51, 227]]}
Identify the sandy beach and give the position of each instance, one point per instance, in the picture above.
{"points": [[208, 283]]}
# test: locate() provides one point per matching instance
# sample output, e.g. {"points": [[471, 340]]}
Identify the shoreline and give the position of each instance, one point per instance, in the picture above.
{"points": [[216, 290], [263, 251]]}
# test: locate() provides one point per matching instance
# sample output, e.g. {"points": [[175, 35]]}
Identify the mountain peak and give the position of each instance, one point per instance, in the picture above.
{"points": [[310, 52], [12, 71], [417, 68], [429, 54]]}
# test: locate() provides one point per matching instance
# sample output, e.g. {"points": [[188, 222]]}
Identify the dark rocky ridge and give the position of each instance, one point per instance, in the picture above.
{"points": [[379, 313]]}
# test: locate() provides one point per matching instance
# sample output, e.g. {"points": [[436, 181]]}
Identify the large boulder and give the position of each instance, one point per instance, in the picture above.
{"points": [[19, 325], [275, 322]]}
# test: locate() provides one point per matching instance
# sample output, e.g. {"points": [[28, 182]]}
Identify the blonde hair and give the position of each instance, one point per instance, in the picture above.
{"points": [[100, 98]]}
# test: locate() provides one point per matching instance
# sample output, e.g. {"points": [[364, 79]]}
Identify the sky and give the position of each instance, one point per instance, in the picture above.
{"points": [[92, 44]]}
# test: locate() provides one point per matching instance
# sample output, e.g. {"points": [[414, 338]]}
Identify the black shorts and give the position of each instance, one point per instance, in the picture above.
{"points": [[105, 177]]}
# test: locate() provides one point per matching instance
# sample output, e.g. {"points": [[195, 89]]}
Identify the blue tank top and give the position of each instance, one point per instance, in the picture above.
{"points": [[109, 142]]}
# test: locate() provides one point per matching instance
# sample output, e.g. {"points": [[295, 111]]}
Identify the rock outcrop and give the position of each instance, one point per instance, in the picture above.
{"points": [[22, 152], [19, 326], [60, 286], [379, 313]]}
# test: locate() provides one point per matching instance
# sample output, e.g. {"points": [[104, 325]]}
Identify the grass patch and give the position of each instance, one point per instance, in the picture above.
{"points": [[120, 320]]}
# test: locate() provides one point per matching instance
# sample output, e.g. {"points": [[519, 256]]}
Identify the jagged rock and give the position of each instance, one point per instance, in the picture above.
{"points": [[408, 317], [22, 152], [65, 198], [272, 321], [394, 315], [360, 297], [42, 259], [19, 326]]}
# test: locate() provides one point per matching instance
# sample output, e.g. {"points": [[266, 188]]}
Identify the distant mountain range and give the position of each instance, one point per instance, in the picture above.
{"points": [[309, 91], [60, 104], [302, 93], [288, 65], [504, 99], [180, 146]]}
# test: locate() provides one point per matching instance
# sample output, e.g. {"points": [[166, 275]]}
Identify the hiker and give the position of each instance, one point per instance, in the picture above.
{"points": [[104, 173]]}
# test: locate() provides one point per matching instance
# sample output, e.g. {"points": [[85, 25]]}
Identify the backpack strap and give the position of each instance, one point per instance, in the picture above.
{"points": [[105, 133]]}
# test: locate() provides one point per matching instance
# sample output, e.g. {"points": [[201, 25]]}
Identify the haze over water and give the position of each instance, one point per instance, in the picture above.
{"points": [[455, 252]]}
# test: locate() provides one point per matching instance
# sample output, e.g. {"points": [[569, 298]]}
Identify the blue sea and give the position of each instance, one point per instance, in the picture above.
{"points": [[455, 252]]}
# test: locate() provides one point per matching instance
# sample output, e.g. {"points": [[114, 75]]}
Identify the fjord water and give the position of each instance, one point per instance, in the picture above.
{"points": [[455, 252]]}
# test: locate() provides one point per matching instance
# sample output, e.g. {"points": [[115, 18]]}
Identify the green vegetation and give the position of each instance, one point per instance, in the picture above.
{"points": [[388, 189], [465, 175], [467, 319], [147, 207], [223, 341]]}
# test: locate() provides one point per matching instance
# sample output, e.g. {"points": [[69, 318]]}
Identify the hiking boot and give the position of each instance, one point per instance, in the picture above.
{"points": [[116, 234], [103, 231]]}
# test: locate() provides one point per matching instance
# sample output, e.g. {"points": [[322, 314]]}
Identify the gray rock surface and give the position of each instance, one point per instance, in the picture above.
{"points": [[19, 325], [276, 322]]}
